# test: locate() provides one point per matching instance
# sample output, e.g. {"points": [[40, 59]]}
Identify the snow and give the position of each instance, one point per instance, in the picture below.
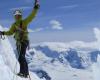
{"points": [[9, 65], [61, 71], [57, 70], [96, 69]]}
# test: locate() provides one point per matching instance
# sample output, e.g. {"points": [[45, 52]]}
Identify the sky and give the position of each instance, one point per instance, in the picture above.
{"points": [[57, 20]]}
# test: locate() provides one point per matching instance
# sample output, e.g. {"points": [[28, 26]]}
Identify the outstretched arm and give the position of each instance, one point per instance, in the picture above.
{"points": [[32, 15], [10, 31]]}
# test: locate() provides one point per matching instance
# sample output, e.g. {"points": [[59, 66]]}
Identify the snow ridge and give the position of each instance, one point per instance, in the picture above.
{"points": [[8, 62]]}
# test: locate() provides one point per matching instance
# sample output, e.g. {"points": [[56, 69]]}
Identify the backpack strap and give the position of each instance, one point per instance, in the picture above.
{"points": [[21, 25]]}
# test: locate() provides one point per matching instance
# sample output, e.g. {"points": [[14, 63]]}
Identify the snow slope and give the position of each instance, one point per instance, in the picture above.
{"points": [[96, 69], [8, 62]]}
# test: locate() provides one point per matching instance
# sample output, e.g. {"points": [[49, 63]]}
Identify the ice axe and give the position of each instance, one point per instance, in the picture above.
{"points": [[36, 2]]}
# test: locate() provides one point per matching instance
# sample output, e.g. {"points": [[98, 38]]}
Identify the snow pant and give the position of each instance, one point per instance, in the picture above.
{"points": [[21, 48]]}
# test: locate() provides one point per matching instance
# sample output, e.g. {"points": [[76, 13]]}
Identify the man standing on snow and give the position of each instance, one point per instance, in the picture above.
{"points": [[19, 29]]}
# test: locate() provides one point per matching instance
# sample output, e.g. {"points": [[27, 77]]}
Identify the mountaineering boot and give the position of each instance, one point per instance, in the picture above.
{"points": [[22, 75], [25, 75]]}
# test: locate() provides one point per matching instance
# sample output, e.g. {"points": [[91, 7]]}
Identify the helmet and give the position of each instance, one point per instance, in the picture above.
{"points": [[17, 12]]}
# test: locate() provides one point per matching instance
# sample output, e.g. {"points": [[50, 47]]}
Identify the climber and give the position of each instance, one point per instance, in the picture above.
{"points": [[20, 32]]}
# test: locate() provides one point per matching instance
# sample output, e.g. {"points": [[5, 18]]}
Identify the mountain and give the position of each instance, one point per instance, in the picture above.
{"points": [[77, 58], [59, 59]]}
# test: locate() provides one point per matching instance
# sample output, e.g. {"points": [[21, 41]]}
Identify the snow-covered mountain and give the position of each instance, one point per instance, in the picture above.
{"points": [[66, 61], [60, 59], [76, 57]]}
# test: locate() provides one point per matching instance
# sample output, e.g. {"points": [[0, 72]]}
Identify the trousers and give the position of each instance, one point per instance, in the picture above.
{"points": [[21, 48]]}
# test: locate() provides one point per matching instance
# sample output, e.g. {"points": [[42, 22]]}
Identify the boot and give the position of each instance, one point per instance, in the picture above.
{"points": [[22, 75]]}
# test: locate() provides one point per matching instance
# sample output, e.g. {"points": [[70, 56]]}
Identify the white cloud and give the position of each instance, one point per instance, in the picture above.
{"points": [[56, 25], [78, 45], [97, 34], [92, 45]]}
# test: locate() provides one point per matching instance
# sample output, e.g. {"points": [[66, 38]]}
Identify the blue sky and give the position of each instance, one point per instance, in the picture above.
{"points": [[57, 20]]}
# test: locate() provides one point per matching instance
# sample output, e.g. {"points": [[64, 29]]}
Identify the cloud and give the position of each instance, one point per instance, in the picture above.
{"points": [[69, 6], [56, 25], [78, 45], [97, 34], [93, 45]]}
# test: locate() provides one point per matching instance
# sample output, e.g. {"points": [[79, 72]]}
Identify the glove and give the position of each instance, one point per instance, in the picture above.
{"points": [[1, 32], [37, 6]]}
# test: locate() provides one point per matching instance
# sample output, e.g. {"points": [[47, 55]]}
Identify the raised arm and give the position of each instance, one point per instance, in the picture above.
{"points": [[32, 15]]}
